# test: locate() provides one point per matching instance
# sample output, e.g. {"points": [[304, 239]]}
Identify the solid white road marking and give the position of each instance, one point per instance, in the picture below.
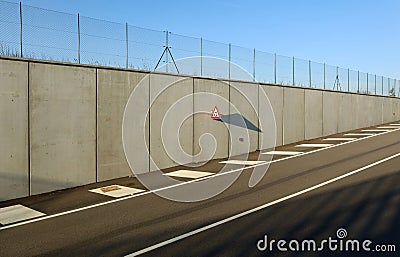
{"points": [[314, 145], [261, 207], [183, 183], [15, 213], [283, 153], [239, 162], [339, 139], [188, 174], [121, 192]]}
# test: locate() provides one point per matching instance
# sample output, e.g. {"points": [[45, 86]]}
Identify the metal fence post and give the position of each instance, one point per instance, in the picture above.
{"points": [[348, 80], [358, 81], [79, 39], [293, 72], [254, 64], [309, 72], [229, 59], [166, 53], [201, 56], [127, 45], [275, 68], [382, 85], [20, 27], [367, 84], [324, 76], [375, 85], [388, 86]]}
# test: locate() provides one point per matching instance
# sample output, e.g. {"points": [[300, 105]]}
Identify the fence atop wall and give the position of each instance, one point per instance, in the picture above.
{"points": [[31, 32]]}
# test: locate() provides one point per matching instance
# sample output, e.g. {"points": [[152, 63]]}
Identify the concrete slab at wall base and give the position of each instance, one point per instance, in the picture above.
{"points": [[14, 173], [62, 126]]}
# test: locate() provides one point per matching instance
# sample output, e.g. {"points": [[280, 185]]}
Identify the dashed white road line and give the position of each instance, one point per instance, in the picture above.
{"points": [[375, 130], [314, 145], [282, 153], [261, 207], [339, 139], [360, 134]]}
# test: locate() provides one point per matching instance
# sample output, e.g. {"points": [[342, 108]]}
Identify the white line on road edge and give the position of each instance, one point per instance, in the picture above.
{"points": [[242, 214], [183, 183]]}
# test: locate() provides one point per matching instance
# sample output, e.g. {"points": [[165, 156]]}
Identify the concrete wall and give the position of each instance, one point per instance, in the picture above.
{"points": [[60, 124], [14, 174]]}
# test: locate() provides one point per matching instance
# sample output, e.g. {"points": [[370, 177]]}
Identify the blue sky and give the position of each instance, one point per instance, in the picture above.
{"points": [[360, 35]]}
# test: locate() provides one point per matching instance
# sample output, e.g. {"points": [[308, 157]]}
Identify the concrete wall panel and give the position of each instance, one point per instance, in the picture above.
{"points": [[395, 109], [376, 110], [313, 114], [13, 129], [114, 89], [363, 111], [293, 115], [387, 112], [244, 96], [275, 96], [347, 104], [204, 124], [166, 91], [63, 126], [331, 109]]}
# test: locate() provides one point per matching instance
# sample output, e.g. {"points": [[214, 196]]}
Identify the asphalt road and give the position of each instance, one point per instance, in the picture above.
{"points": [[353, 186]]}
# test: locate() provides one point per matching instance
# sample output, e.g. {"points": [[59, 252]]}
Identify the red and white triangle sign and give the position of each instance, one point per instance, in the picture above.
{"points": [[215, 114]]}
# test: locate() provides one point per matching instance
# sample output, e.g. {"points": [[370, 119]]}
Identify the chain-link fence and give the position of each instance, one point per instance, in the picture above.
{"points": [[31, 32]]}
